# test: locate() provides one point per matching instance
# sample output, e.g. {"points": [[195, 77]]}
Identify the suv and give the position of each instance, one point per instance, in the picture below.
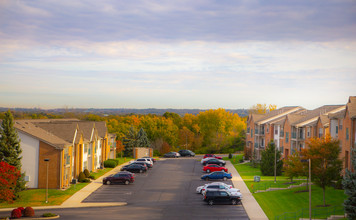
{"points": [[222, 197], [148, 161], [120, 177], [186, 153], [214, 161]]}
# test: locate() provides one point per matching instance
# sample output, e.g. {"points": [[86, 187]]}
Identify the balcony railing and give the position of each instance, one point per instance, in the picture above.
{"points": [[294, 135], [256, 145], [256, 131]]}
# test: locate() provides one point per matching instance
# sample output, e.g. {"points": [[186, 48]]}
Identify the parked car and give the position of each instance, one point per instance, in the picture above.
{"points": [[152, 159], [221, 197], [200, 189], [186, 153], [142, 163], [217, 175], [134, 168], [120, 177], [172, 154], [146, 160], [214, 161], [214, 167], [212, 155], [219, 186]]}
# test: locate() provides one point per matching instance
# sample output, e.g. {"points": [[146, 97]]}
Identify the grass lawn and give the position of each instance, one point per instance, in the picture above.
{"points": [[276, 203], [37, 197]]}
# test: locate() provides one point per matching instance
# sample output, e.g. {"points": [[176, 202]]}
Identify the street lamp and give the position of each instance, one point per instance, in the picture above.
{"points": [[47, 161], [275, 163]]}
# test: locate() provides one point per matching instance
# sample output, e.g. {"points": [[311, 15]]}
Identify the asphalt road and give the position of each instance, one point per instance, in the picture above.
{"points": [[167, 191]]}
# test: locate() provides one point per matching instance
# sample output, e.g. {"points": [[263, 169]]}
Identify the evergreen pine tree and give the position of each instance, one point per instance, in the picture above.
{"points": [[267, 161], [142, 139], [349, 183], [10, 149]]}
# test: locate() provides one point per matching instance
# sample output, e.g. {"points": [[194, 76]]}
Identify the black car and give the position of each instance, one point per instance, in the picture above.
{"points": [[134, 168], [215, 161], [171, 154], [186, 153], [121, 177], [140, 161], [221, 197]]}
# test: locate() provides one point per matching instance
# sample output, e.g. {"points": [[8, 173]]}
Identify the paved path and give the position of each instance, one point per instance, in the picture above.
{"points": [[253, 209]]}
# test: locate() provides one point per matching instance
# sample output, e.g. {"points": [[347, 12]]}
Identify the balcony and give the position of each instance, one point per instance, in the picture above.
{"points": [[256, 145], [294, 135], [256, 131]]}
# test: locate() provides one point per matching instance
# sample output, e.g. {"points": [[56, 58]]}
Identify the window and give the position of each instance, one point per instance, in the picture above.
{"points": [[340, 124], [251, 132], [337, 129], [223, 193], [267, 128], [85, 148], [308, 131], [320, 132], [347, 133], [287, 137], [248, 130], [276, 131]]}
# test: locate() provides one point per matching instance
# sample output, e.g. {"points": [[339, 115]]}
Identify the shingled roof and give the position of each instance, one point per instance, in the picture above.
{"points": [[351, 107], [31, 129], [310, 116]]}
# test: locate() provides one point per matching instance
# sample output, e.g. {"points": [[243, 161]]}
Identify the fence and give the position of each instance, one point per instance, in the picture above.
{"points": [[317, 213], [270, 184]]}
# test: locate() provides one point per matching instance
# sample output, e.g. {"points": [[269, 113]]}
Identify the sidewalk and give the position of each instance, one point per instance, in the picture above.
{"points": [[76, 200], [253, 209]]}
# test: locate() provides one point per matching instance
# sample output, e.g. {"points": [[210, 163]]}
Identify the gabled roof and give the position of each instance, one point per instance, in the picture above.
{"points": [[324, 119], [337, 115], [31, 129], [278, 113], [63, 129], [311, 116]]}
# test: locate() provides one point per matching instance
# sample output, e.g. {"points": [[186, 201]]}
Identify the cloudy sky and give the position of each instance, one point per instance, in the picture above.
{"points": [[176, 54]]}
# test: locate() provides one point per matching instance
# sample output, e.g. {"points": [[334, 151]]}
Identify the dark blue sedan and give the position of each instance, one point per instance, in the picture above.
{"points": [[216, 175]]}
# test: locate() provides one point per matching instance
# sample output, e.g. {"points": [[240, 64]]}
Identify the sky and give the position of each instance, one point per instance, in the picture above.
{"points": [[203, 54]]}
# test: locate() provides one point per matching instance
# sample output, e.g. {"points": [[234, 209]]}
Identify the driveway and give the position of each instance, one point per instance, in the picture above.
{"points": [[167, 191]]}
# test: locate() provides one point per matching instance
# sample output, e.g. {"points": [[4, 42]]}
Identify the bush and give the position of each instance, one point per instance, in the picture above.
{"points": [[22, 210], [86, 180], [48, 214], [241, 160], [87, 173], [156, 153], [92, 177], [81, 177], [29, 212], [16, 213], [110, 163], [230, 155]]}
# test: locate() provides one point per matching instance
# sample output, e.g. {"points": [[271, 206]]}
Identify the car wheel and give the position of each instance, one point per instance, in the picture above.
{"points": [[211, 202], [141, 171], [127, 182], [108, 182], [225, 178], [234, 202], [208, 171]]}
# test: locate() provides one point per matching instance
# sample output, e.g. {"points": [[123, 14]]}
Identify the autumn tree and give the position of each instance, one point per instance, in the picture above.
{"points": [[10, 150], [349, 184], [294, 167], [262, 108], [186, 138], [8, 181], [120, 147], [268, 158], [326, 165]]}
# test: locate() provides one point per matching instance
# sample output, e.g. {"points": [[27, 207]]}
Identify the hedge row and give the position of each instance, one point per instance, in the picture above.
{"points": [[111, 163]]}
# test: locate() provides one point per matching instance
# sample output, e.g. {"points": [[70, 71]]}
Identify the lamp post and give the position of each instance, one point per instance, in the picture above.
{"points": [[47, 161], [275, 163]]}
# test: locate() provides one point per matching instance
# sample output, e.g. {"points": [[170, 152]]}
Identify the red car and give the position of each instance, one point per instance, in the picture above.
{"points": [[212, 155], [213, 167]]}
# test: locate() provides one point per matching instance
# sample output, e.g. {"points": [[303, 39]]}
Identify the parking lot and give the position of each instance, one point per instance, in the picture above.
{"points": [[167, 191]]}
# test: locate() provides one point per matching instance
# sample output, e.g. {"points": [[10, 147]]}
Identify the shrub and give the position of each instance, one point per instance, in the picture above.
{"points": [[230, 155], [87, 173], [48, 214], [86, 180], [109, 163], [92, 177], [81, 177], [29, 212], [16, 213], [22, 210], [9, 176], [241, 160]]}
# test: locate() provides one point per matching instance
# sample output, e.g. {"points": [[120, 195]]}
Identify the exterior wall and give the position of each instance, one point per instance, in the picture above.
{"points": [[334, 127], [67, 155], [139, 152], [287, 139], [346, 141], [276, 136], [250, 135], [54, 167], [30, 157]]}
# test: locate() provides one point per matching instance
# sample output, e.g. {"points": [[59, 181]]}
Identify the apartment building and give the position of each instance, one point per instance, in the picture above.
{"points": [[291, 128], [70, 145]]}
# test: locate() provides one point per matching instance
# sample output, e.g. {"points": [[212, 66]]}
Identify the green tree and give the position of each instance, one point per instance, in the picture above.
{"points": [[268, 158], [294, 167], [349, 184], [10, 150], [142, 140], [326, 165]]}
